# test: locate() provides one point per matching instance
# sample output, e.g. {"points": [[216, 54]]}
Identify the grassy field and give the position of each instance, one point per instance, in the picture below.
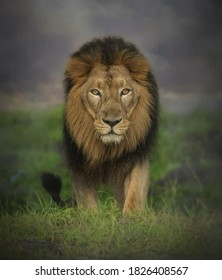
{"points": [[183, 218]]}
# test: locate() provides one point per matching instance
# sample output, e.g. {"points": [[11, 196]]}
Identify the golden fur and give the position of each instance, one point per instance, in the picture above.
{"points": [[108, 119]]}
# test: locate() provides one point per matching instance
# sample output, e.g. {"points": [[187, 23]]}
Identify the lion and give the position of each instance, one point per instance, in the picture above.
{"points": [[110, 124]]}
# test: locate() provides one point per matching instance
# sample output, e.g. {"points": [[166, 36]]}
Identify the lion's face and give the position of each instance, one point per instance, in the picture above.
{"points": [[107, 110], [110, 96]]}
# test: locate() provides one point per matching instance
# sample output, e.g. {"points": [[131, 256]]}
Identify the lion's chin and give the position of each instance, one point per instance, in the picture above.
{"points": [[111, 138]]}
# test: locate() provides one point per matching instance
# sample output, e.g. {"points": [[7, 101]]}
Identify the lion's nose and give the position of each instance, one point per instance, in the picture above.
{"points": [[112, 122]]}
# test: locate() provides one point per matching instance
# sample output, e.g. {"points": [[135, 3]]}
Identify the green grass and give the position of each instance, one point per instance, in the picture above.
{"points": [[182, 219], [82, 234]]}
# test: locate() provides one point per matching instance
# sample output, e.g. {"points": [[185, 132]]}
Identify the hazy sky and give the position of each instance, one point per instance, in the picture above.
{"points": [[182, 39]]}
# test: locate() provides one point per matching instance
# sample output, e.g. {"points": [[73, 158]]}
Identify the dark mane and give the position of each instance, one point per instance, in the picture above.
{"points": [[106, 51]]}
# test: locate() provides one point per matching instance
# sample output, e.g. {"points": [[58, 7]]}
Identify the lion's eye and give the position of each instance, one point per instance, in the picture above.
{"points": [[125, 91], [95, 92]]}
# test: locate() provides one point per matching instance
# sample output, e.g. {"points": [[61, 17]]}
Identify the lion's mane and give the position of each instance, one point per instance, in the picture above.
{"points": [[83, 150]]}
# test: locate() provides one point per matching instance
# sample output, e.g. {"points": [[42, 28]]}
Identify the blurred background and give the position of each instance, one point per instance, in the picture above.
{"points": [[182, 40]]}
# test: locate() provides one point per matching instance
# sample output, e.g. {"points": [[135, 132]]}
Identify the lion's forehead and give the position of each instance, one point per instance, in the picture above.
{"points": [[113, 76]]}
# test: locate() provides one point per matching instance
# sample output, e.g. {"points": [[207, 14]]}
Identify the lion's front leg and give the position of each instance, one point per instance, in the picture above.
{"points": [[136, 188], [84, 192]]}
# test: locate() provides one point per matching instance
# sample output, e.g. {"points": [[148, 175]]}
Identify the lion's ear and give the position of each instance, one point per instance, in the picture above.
{"points": [[77, 70]]}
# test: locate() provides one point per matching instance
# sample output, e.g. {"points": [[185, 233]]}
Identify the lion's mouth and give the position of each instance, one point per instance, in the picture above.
{"points": [[111, 138], [112, 132]]}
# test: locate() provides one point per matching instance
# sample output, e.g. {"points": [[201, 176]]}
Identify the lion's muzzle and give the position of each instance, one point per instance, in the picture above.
{"points": [[112, 130]]}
